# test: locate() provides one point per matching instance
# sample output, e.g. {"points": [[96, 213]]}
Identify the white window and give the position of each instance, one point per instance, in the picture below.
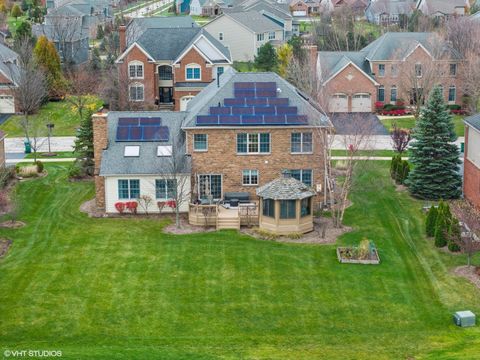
{"points": [[260, 37], [381, 69], [453, 69], [452, 94], [136, 92], [418, 70], [193, 72], [164, 150], [135, 70], [200, 142], [250, 177], [253, 143], [301, 142], [271, 35], [131, 151], [220, 36]]}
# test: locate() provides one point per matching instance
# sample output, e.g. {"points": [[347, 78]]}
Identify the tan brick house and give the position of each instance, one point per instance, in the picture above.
{"points": [[471, 176], [166, 61], [391, 68], [238, 134]]}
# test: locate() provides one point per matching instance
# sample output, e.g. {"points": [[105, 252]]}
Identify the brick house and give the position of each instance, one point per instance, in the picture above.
{"points": [[8, 73], [166, 61], [386, 70], [471, 176], [239, 133]]}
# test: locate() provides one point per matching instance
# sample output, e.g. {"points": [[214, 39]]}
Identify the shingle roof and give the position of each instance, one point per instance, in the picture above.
{"points": [[7, 64], [391, 7], [285, 188], [397, 45], [279, 10], [333, 61], [115, 163], [473, 121], [254, 21], [215, 93], [446, 7]]}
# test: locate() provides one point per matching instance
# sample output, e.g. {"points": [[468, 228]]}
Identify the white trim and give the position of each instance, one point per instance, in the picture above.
{"points": [[193, 66], [199, 150], [356, 67], [149, 57], [194, 46], [136, 63], [136, 84], [411, 52]]}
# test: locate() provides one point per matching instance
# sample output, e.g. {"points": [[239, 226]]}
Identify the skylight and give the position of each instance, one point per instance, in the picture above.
{"points": [[164, 150], [131, 151]]}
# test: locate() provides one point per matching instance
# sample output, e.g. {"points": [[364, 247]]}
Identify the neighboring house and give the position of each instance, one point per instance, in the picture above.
{"points": [[245, 32], [8, 74], [471, 177], [358, 6], [443, 8], [240, 133], [2, 149], [183, 6], [166, 61], [209, 7], [305, 7], [133, 157], [388, 12], [354, 81]]}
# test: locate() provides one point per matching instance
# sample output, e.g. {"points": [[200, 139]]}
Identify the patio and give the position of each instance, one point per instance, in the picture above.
{"points": [[223, 216]]}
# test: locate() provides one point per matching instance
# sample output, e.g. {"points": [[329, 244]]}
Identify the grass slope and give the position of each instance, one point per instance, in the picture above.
{"points": [[120, 288], [409, 123]]}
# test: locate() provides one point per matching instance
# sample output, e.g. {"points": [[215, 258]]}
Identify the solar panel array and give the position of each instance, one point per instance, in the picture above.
{"points": [[254, 103], [141, 129]]}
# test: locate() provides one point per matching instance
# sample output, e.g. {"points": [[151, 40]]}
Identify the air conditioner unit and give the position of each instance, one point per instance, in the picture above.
{"points": [[464, 318]]}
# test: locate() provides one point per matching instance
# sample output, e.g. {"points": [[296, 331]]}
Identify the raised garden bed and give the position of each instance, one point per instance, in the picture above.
{"points": [[348, 255]]}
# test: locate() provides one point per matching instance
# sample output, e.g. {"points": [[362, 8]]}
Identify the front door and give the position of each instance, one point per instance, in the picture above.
{"points": [[166, 95]]}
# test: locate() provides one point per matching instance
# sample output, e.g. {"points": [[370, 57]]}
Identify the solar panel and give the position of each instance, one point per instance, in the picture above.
{"points": [[242, 110], [278, 101], [252, 119], [288, 110], [122, 133], [263, 110], [243, 85], [256, 101], [244, 93], [229, 120], [163, 133], [150, 121], [207, 120], [274, 119], [220, 110], [266, 85], [135, 133], [266, 93], [237, 101], [127, 121]]}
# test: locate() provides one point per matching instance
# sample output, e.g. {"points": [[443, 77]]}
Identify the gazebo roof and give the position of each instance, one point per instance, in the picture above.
{"points": [[285, 188]]}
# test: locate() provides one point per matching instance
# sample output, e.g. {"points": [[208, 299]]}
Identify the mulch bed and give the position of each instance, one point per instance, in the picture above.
{"points": [[4, 246], [471, 273], [185, 227], [12, 224], [81, 179]]}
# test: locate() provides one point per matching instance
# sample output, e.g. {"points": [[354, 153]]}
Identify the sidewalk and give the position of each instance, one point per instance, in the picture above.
{"points": [[375, 142], [43, 160], [57, 143]]}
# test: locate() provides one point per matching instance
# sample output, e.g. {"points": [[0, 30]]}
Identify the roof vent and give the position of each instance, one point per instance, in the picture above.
{"points": [[286, 174]]}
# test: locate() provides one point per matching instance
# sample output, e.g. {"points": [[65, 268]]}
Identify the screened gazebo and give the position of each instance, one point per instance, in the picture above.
{"points": [[286, 206]]}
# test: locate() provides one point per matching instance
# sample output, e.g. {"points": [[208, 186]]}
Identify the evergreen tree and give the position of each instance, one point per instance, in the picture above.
{"points": [[454, 238], [24, 5], [16, 11], [431, 220], [100, 32], [47, 58], [435, 174], [96, 62], [267, 59], [441, 230], [24, 30], [285, 54], [84, 145]]}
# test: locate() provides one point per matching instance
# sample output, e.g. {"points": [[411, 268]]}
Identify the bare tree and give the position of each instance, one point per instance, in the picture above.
{"points": [[82, 83], [67, 31], [470, 216], [29, 87], [400, 138]]}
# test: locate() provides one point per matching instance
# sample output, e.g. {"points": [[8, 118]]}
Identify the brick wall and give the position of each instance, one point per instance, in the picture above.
{"points": [[471, 181], [100, 142], [192, 57], [221, 158]]}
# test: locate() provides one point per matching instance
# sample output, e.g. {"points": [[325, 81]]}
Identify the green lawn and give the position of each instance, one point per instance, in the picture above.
{"points": [[60, 155], [409, 123], [366, 153], [61, 113], [120, 288]]}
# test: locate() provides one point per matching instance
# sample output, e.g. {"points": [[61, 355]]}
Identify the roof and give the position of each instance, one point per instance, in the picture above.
{"points": [[398, 45], [8, 63], [165, 39], [147, 163], [285, 188], [473, 121], [331, 62], [391, 7], [254, 21], [370, 124], [440, 6], [52, 35], [214, 94], [266, 7]]}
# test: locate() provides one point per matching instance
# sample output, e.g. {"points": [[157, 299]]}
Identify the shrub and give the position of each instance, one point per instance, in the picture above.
{"points": [[171, 204], [265, 234], [132, 206], [39, 166], [454, 107], [160, 205], [295, 235], [120, 206], [388, 107], [75, 171], [28, 171], [396, 159], [379, 105], [442, 224], [431, 220], [453, 246], [454, 236], [6, 174], [363, 249]]}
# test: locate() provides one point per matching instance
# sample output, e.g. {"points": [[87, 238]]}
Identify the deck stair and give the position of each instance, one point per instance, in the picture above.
{"points": [[228, 218]]}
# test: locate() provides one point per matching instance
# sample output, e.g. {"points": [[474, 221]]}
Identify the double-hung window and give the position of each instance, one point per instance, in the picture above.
{"points": [[453, 69], [193, 72], [260, 37], [271, 35], [301, 142], [452, 94], [200, 142], [393, 94], [253, 143], [165, 189], [128, 189], [303, 175], [135, 70], [418, 70], [136, 92], [250, 177], [381, 93], [381, 69], [394, 70]]}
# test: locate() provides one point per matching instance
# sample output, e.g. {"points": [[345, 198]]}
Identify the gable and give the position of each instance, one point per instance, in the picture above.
{"points": [[418, 53], [350, 73], [210, 51], [135, 51]]}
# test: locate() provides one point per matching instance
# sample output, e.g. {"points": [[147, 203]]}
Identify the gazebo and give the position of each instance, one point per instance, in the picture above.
{"points": [[286, 206]]}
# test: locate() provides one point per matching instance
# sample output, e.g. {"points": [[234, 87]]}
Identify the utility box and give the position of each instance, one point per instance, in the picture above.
{"points": [[464, 318]]}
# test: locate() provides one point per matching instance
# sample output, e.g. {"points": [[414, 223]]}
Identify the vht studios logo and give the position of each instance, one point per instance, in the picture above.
{"points": [[32, 353]]}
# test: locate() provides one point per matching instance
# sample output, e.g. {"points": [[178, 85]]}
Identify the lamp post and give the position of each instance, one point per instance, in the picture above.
{"points": [[50, 127]]}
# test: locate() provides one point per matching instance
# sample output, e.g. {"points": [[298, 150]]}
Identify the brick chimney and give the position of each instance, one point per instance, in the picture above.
{"points": [[122, 37], [100, 143]]}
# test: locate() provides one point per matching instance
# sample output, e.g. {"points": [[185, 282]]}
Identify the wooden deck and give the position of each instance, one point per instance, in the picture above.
{"points": [[223, 218]]}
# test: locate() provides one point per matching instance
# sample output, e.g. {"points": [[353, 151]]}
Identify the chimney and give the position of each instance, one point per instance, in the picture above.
{"points": [[313, 53], [100, 143], [122, 29]]}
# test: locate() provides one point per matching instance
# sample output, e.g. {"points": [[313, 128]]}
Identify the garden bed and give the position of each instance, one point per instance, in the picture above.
{"points": [[4, 246], [347, 255]]}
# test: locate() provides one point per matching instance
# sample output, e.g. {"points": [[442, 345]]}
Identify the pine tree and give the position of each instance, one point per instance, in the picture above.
{"points": [[267, 59], [431, 220], [433, 154], [454, 236], [100, 32], [47, 58], [84, 145], [16, 11], [441, 230]]}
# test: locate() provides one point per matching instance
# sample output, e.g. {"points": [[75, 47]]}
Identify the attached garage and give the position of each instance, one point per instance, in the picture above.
{"points": [[361, 102], [7, 104], [338, 103]]}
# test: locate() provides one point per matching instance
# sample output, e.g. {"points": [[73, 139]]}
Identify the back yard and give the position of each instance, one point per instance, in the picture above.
{"points": [[97, 287]]}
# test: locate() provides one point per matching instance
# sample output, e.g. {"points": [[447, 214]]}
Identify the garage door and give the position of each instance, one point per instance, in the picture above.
{"points": [[361, 103], [7, 105], [184, 101], [338, 103]]}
